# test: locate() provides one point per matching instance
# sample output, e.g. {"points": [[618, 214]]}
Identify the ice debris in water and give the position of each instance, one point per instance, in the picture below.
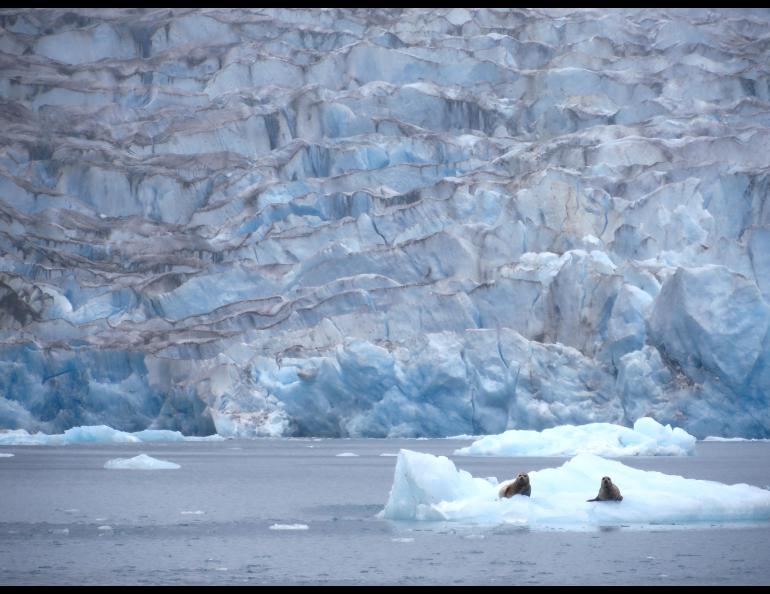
{"points": [[647, 438], [289, 527], [96, 434], [427, 487], [140, 462], [716, 438]]}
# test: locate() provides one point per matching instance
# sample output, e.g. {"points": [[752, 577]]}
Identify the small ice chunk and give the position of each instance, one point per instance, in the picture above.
{"points": [[403, 539], [197, 512], [389, 454], [104, 527], [60, 531], [4, 455], [347, 455], [289, 527], [140, 462], [717, 438]]}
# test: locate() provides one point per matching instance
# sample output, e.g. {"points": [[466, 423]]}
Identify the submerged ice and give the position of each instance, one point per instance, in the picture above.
{"points": [[647, 438], [390, 222], [431, 488]]}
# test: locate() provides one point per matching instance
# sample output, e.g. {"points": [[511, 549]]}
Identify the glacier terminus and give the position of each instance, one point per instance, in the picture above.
{"points": [[384, 223]]}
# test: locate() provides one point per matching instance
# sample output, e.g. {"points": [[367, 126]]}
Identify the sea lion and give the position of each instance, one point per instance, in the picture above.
{"points": [[519, 486], [608, 491]]}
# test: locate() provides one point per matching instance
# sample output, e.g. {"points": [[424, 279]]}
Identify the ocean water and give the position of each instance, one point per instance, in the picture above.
{"points": [[292, 511]]}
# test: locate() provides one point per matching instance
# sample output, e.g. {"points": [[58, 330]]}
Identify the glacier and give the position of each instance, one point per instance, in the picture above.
{"points": [[647, 438], [431, 488], [384, 222]]}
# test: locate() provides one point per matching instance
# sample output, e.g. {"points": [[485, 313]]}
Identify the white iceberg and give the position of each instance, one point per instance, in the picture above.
{"points": [[427, 487], [717, 438], [16, 437], [289, 527], [647, 438], [140, 462], [2, 455], [96, 434]]}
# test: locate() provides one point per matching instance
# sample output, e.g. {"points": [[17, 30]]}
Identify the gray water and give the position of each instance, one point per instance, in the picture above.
{"points": [[54, 500]]}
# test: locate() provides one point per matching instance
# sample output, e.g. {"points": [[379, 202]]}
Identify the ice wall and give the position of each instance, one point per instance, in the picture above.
{"points": [[384, 222]]}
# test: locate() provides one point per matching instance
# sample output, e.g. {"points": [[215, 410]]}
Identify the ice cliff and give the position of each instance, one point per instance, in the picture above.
{"points": [[384, 222]]}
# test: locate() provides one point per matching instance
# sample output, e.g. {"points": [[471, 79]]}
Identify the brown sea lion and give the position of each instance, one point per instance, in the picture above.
{"points": [[608, 491], [520, 486]]}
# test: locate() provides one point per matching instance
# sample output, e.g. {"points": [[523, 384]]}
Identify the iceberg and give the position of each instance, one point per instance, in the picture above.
{"points": [[431, 488], [289, 527], [732, 439], [140, 462], [647, 438], [96, 434]]}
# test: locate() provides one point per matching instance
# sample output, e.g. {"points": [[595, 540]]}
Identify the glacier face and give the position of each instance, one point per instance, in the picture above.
{"points": [[384, 222]]}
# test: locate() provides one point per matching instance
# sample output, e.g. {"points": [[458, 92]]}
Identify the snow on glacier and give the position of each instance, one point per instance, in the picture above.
{"points": [[384, 222], [647, 438], [431, 488], [140, 462]]}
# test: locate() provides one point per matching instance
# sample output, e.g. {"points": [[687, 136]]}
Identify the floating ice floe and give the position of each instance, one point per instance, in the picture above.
{"points": [[715, 438], [2, 455], [289, 527], [96, 434], [647, 438], [427, 487], [347, 455], [140, 462]]}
